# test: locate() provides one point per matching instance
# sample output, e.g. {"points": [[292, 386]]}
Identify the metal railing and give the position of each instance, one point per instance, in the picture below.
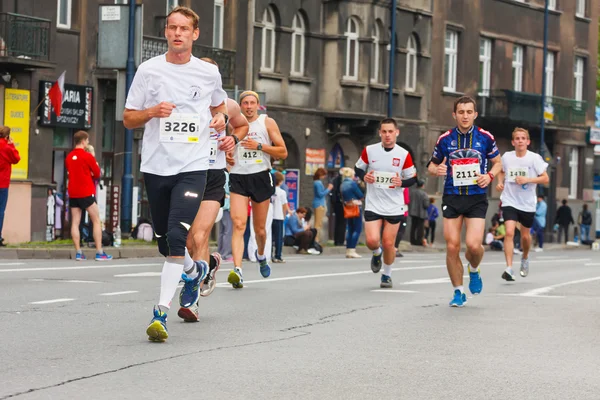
{"points": [[154, 46], [24, 37], [527, 107]]}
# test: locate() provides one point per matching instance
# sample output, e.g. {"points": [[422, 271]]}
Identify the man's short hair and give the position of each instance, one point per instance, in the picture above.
{"points": [[278, 177], [388, 121], [209, 60], [465, 100], [186, 12], [80, 136], [518, 129]]}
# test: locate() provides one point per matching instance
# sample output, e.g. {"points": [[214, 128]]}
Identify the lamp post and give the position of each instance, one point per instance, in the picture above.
{"points": [[392, 57]]}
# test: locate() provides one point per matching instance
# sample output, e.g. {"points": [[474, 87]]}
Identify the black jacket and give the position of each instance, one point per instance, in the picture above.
{"points": [[564, 216]]}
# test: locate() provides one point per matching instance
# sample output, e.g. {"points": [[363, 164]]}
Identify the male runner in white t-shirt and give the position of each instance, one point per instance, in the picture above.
{"points": [[386, 168], [522, 171], [169, 97]]}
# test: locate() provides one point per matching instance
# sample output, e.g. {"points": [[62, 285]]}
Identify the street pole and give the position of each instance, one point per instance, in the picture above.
{"points": [[127, 180], [544, 66], [391, 64]]}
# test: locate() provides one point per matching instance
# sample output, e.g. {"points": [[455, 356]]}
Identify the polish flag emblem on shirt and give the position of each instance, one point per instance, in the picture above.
{"points": [[396, 162]]}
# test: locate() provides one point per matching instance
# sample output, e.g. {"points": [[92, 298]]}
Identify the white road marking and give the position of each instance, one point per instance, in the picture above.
{"points": [[61, 280], [138, 275], [11, 263], [51, 301], [592, 264], [393, 291], [521, 295], [543, 290], [118, 293], [99, 266], [426, 281]]}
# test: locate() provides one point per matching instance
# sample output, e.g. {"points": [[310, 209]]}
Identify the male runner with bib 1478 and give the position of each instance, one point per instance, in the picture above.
{"points": [[250, 178], [461, 156], [522, 171], [386, 168], [169, 97]]}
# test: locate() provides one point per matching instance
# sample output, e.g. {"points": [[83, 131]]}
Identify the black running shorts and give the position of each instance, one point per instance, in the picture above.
{"points": [[391, 219], [513, 214], [82, 202], [259, 186], [469, 206], [215, 186]]}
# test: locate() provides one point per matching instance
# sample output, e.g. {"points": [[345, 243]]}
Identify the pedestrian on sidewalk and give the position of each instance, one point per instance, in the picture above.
{"points": [[432, 214], [9, 155], [352, 197], [280, 210], [564, 218], [339, 230], [539, 222], [320, 195], [297, 233], [417, 209], [585, 221]]}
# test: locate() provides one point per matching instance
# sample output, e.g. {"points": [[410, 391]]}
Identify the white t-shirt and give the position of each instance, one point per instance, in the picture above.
{"points": [[279, 199], [521, 197], [382, 198], [252, 161], [216, 158], [193, 88]]}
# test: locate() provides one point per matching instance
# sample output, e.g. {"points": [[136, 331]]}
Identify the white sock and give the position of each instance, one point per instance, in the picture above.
{"points": [[169, 279], [461, 288], [387, 270], [509, 269], [377, 252], [188, 262], [261, 257], [471, 269]]}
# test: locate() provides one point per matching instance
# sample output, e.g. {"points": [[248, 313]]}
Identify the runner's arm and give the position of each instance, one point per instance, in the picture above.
{"points": [[277, 149], [138, 118], [238, 122], [496, 165]]}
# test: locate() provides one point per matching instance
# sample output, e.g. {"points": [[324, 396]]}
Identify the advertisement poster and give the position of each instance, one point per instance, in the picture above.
{"points": [[76, 107], [292, 181], [16, 117], [315, 159]]}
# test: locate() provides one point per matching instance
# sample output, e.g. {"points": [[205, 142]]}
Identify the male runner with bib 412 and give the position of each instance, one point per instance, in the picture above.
{"points": [[386, 168], [461, 156], [522, 171]]}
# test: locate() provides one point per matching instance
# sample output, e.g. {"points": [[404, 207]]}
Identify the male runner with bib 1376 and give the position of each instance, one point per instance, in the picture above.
{"points": [[522, 171], [461, 156], [250, 178], [386, 168], [170, 96]]}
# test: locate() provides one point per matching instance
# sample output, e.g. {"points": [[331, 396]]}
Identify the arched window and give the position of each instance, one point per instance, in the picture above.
{"points": [[411, 64], [376, 39], [298, 45], [268, 41], [352, 49]]}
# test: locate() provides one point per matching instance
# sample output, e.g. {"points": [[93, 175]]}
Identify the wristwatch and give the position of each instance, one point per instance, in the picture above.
{"points": [[226, 118], [235, 139], [259, 146]]}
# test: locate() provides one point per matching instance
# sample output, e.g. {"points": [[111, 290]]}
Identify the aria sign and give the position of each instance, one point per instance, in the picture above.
{"points": [[76, 107]]}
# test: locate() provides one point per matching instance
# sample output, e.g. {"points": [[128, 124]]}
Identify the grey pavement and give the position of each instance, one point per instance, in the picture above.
{"points": [[319, 328]]}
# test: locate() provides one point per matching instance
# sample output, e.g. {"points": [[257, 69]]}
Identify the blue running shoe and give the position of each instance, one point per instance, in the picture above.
{"points": [[475, 282], [190, 291], [103, 256], [235, 278], [386, 282], [459, 299], [376, 263], [265, 269], [157, 330], [80, 257]]}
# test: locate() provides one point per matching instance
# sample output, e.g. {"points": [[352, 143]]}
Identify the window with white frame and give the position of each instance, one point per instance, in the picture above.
{"points": [[121, 1], [578, 78], [574, 167], [450, 60], [411, 64], [550, 74], [580, 8], [485, 66], [376, 39], [218, 24], [63, 14], [171, 4], [552, 4], [352, 49], [267, 63], [517, 68], [298, 45]]}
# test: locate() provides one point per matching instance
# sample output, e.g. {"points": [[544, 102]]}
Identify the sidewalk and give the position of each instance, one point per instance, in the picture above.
{"points": [[142, 251]]}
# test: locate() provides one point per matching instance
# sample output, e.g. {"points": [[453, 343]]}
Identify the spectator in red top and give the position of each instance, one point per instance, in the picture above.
{"points": [[83, 168], [8, 156]]}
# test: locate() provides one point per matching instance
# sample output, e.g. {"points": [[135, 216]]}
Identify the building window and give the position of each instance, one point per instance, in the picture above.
{"points": [[574, 167], [218, 25], [298, 45], [578, 75], [517, 66], [376, 39], [268, 41], [352, 49], [485, 66], [171, 4], [450, 60], [580, 8], [63, 15], [552, 4], [121, 1], [550, 74], [411, 64]]}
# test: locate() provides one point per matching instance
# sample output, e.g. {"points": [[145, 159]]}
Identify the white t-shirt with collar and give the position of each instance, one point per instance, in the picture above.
{"points": [[521, 197], [193, 87]]}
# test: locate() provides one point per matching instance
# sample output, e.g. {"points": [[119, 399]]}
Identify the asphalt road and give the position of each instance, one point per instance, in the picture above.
{"points": [[319, 328]]}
